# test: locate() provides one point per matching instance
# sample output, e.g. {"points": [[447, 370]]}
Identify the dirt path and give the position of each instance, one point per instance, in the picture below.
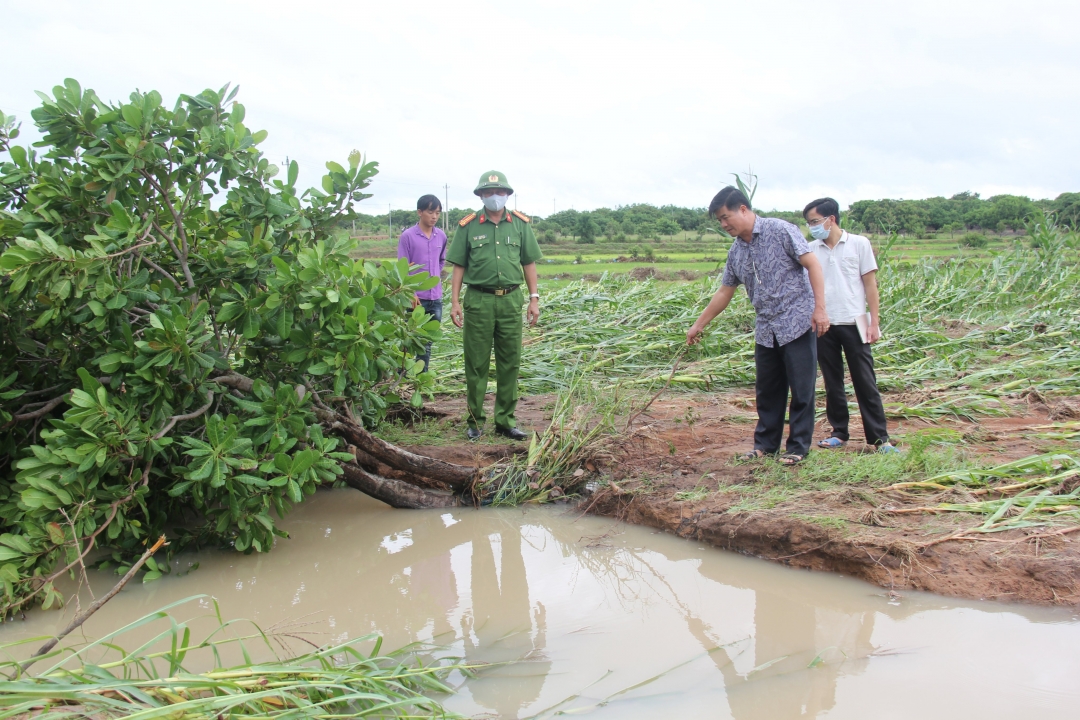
{"points": [[675, 471]]}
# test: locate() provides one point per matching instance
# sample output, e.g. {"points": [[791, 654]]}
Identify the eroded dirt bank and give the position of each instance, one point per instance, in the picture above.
{"points": [[964, 569], [674, 471]]}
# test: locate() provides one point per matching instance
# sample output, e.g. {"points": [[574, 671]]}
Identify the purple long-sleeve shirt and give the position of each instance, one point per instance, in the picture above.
{"points": [[428, 254]]}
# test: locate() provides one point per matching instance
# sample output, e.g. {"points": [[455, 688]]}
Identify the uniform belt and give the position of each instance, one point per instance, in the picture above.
{"points": [[495, 291]]}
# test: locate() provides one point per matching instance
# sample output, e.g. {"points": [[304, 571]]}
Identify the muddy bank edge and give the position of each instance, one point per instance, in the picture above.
{"points": [[956, 569]]}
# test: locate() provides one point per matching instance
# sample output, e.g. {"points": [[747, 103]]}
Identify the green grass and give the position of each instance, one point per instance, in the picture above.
{"points": [[696, 495], [160, 679], [772, 484], [436, 432], [835, 523]]}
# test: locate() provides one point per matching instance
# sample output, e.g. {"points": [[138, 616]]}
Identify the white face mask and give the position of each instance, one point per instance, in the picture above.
{"points": [[495, 203], [819, 232]]}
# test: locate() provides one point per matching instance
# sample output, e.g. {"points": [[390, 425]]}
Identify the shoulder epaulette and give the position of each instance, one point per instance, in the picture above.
{"points": [[523, 216], [467, 219]]}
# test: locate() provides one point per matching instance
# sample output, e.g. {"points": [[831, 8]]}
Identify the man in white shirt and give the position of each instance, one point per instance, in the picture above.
{"points": [[850, 285]]}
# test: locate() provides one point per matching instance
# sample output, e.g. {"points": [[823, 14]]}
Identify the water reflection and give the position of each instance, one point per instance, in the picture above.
{"points": [[607, 620], [502, 625]]}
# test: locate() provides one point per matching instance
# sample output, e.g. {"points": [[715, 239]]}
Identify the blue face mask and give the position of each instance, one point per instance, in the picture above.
{"points": [[495, 203], [819, 232]]}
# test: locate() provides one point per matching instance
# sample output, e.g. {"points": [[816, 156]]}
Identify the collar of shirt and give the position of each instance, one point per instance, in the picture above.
{"points": [[757, 226], [419, 233], [822, 243], [507, 216]]}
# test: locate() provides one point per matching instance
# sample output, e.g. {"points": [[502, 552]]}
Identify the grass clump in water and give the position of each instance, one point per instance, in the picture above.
{"points": [[560, 461], [102, 680]]}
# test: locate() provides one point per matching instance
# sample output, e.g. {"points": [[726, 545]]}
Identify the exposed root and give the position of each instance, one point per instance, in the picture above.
{"points": [[875, 517], [395, 493]]}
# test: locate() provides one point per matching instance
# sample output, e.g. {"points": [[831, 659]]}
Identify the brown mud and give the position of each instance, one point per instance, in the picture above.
{"points": [[674, 471]]}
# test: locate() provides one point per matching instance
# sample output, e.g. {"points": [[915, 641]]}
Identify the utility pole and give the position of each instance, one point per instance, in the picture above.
{"points": [[446, 210], [389, 222]]}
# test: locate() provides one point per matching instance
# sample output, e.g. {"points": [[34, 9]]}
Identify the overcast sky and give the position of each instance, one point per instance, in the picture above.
{"points": [[590, 104]]}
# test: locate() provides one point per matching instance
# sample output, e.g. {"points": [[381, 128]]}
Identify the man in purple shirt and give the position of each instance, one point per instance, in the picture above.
{"points": [[424, 245], [785, 285]]}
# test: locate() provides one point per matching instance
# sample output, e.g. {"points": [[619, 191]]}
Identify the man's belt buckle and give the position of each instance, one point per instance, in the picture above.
{"points": [[501, 291]]}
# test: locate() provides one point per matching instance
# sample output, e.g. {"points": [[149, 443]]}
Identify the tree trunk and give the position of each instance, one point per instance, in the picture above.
{"points": [[458, 477], [395, 493], [398, 492]]}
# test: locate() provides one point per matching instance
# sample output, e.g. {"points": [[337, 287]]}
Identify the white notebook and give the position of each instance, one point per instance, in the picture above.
{"points": [[862, 322]]}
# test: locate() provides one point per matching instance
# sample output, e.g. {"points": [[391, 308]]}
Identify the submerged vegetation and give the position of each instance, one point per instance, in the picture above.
{"points": [[163, 677]]}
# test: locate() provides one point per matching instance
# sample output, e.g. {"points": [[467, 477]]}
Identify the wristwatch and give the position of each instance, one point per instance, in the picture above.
{"points": [[534, 295]]}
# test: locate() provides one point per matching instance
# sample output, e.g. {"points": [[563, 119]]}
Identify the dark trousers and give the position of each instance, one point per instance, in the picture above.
{"points": [[840, 341], [780, 369], [434, 309]]}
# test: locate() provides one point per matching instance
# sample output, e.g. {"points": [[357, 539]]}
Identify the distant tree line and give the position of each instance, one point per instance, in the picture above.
{"points": [[959, 213], [963, 211], [641, 220]]}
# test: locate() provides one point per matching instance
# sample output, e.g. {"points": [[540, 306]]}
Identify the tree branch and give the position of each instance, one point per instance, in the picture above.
{"points": [[40, 412], [161, 271], [235, 380], [113, 508], [83, 616], [458, 477], [42, 392], [189, 416], [181, 256], [395, 493], [181, 233]]}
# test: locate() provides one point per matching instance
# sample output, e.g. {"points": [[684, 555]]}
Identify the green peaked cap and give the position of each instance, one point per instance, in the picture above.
{"points": [[492, 179]]}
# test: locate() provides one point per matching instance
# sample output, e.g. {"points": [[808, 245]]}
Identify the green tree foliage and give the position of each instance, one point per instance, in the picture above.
{"points": [[641, 219], [889, 215], [963, 210], [587, 229], [1066, 207], [173, 316]]}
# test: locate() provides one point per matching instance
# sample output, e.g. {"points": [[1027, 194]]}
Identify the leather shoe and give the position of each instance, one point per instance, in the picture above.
{"points": [[474, 433], [512, 433]]}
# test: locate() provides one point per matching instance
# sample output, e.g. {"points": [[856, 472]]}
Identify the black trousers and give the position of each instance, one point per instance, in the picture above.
{"points": [[780, 369], [832, 347], [434, 309]]}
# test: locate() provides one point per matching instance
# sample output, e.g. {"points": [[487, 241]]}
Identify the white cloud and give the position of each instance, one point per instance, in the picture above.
{"points": [[605, 103]]}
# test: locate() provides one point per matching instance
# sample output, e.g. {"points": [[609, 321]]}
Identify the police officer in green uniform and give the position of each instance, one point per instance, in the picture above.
{"points": [[493, 252]]}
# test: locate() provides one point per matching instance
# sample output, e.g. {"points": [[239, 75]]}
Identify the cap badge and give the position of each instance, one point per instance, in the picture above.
{"points": [[493, 178]]}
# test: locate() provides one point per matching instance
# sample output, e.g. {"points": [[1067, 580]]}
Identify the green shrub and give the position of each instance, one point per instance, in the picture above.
{"points": [[184, 309], [973, 240]]}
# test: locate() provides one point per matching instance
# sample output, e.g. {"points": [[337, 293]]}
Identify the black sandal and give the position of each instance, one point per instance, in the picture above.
{"points": [[791, 459], [754, 454]]}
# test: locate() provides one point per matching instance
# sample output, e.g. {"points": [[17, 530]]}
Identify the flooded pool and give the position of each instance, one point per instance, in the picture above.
{"points": [[614, 621]]}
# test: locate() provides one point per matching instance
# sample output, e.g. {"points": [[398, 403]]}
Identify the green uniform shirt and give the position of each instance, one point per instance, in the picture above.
{"points": [[491, 254]]}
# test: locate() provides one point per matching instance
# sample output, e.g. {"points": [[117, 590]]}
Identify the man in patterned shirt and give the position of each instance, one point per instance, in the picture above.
{"points": [[785, 285]]}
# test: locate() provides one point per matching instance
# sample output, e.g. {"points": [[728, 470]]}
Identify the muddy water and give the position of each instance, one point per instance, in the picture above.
{"points": [[613, 621]]}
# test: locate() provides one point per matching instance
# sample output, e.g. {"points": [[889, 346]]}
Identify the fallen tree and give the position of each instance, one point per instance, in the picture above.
{"points": [[185, 340]]}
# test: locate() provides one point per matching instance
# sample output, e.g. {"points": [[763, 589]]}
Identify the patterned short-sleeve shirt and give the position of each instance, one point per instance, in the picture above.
{"points": [[777, 285]]}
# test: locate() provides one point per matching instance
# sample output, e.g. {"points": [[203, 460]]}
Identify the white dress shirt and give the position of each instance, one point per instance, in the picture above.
{"points": [[844, 266]]}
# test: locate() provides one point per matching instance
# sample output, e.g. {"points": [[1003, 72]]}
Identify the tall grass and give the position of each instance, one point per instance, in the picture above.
{"points": [[103, 680]]}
